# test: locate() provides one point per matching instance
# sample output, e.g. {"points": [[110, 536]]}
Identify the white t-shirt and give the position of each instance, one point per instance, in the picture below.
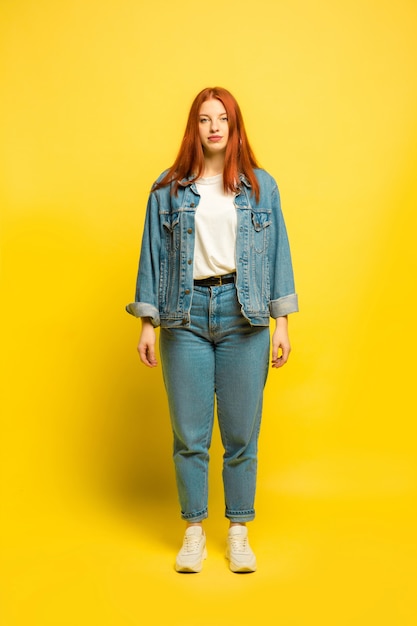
{"points": [[215, 229]]}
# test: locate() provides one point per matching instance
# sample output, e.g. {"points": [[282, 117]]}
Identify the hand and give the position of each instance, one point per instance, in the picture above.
{"points": [[281, 347], [146, 346]]}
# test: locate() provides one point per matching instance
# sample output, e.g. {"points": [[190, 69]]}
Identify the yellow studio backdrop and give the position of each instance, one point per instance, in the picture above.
{"points": [[94, 99]]}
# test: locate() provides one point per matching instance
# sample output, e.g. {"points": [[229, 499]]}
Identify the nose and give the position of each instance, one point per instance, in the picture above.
{"points": [[214, 126]]}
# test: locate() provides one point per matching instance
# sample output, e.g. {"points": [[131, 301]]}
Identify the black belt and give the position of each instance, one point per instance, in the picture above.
{"points": [[215, 281]]}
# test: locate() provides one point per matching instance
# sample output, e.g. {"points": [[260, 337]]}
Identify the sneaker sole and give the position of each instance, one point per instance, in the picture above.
{"points": [[241, 569], [194, 568]]}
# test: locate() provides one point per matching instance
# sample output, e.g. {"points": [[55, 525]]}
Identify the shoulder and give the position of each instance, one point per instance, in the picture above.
{"points": [[267, 185], [161, 187], [265, 179], [160, 177]]}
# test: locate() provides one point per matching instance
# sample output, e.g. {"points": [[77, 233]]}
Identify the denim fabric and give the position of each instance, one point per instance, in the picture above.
{"points": [[264, 276], [219, 354]]}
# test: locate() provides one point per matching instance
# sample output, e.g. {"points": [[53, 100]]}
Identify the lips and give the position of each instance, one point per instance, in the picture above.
{"points": [[215, 138]]}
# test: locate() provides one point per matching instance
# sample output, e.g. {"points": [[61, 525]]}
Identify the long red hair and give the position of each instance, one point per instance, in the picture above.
{"points": [[239, 157]]}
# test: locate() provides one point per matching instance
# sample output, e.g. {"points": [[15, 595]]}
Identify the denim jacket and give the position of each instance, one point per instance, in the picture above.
{"points": [[264, 275]]}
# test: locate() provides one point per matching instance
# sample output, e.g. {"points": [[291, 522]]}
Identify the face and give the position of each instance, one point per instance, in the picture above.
{"points": [[213, 127]]}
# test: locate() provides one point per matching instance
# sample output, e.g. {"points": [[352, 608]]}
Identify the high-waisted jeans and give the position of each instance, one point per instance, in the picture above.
{"points": [[220, 355]]}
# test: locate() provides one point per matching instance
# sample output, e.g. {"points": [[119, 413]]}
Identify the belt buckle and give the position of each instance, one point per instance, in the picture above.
{"points": [[220, 281]]}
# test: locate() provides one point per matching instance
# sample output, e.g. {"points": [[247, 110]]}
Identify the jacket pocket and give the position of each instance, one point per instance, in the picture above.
{"points": [[172, 231], [261, 220]]}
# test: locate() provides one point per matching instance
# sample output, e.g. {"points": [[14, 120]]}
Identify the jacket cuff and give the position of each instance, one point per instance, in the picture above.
{"points": [[284, 306], [143, 309]]}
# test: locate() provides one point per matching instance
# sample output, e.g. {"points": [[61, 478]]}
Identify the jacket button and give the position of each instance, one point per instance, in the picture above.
{"points": [[192, 205], [187, 291], [189, 261], [189, 231]]}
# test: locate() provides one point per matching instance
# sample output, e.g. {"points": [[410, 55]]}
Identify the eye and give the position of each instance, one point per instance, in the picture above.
{"points": [[224, 118], [203, 120]]}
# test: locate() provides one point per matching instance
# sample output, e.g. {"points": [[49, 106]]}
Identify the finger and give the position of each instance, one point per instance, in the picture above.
{"points": [[284, 356], [151, 356], [147, 355], [281, 360], [275, 352]]}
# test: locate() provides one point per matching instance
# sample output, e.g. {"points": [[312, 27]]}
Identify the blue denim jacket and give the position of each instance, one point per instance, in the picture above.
{"points": [[264, 275]]}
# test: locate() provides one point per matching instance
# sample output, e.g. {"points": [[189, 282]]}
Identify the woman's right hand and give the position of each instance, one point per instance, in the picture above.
{"points": [[147, 341]]}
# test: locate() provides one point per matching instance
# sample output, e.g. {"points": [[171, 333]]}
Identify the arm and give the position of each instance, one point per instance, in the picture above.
{"points": [[147, 341], [283, 297], [146, 304], [281, 347]]}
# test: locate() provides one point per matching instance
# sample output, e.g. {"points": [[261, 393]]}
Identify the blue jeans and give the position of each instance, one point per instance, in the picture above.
{"points": [[220, 355]]}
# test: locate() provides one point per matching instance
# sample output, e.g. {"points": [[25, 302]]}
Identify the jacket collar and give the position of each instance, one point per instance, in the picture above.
{"points": [[244, 180]]}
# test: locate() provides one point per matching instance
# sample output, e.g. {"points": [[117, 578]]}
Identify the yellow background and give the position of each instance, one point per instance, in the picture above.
{"points": [[94, 98]]}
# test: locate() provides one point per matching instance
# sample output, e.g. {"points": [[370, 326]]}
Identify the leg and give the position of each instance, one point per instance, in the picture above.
{"points": [[242, 355], [188, 368]]}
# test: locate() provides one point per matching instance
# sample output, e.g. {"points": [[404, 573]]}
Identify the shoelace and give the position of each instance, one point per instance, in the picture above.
{"points": [[239, 544], [190, 544]]}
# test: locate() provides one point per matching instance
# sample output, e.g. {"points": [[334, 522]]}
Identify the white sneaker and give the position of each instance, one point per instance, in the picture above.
{"points": [[193, 552], [240, 554]]}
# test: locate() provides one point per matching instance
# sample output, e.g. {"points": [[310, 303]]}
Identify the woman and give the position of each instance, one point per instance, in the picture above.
{"points": [[214, 267]]}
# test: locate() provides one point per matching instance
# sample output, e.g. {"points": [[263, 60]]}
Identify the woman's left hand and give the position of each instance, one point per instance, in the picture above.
{"points": [[281, 347]]}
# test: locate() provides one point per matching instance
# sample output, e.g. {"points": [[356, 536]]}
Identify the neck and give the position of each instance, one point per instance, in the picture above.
{"points": [[213, 165]]}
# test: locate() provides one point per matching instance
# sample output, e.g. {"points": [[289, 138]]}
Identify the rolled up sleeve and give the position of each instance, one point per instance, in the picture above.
{"points": [[284, 306]]}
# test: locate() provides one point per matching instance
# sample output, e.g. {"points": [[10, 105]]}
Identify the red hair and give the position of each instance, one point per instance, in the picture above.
{"points": [[239, 157]]}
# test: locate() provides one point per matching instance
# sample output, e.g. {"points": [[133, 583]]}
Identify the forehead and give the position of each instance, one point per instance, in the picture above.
{"points": [[212, 107]]}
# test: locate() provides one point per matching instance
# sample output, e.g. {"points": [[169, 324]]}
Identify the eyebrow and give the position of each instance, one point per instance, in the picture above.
{"points": [[207, 115]]}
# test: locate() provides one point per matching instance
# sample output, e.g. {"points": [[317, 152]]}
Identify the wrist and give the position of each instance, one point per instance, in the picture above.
{"points": [[281, 322]]}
